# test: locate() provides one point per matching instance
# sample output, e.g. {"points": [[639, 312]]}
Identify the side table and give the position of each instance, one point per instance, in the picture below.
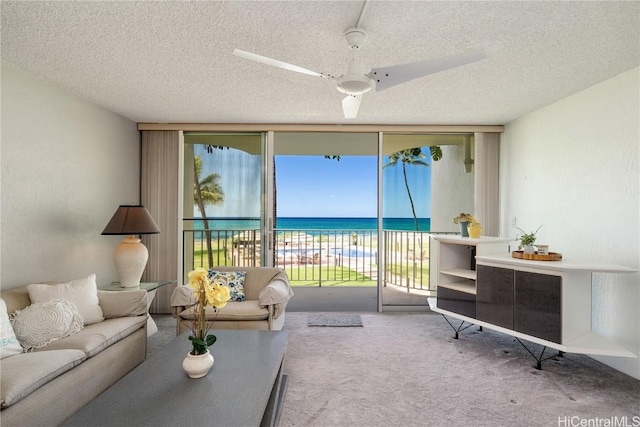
{"points": [[151, 288]]}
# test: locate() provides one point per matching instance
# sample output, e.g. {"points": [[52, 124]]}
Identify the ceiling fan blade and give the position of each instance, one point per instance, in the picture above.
{"points": [[276, 63], [387, 77], [351, 105]]}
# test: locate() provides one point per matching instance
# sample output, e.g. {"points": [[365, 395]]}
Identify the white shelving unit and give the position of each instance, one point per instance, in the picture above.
{"points": [[510, 293], [455, 272], [455, 258]]}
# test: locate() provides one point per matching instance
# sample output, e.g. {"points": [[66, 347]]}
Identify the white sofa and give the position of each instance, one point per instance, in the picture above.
{"points": [[45, 386]]}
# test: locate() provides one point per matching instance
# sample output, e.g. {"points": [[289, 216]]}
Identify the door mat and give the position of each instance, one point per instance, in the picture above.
{"points": [[321, 319]]}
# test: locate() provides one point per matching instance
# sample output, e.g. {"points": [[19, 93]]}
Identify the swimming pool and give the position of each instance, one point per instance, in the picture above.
{"points": [[357, 251]]}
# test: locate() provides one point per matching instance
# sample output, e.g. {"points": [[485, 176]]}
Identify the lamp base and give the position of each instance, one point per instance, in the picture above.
{"points": [[130, 258]]}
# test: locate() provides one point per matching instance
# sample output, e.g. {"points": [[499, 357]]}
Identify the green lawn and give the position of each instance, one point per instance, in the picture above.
{"points": [[200, 258], [315, 275], [402, 270]]}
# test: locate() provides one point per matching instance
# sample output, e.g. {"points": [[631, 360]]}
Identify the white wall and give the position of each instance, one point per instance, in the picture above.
{"points": [[451, 189], [574, 166], [66, 166]]}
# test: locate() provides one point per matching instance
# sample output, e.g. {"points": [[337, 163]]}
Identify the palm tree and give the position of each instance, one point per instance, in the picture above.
{"points": [[413, 156], [208, 191]]}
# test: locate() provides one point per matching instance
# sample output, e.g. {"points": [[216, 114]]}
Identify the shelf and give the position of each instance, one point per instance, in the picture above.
{"points": [[466, 287], [594, 343], [460, 272], [459, 240], [507, 260]]}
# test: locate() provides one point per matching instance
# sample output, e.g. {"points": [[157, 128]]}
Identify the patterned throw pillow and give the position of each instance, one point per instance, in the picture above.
{"points": [[233, 279], [46, 322]]}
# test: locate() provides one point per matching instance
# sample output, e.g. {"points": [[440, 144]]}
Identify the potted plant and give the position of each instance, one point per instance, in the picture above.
{"points": [[527, 240], [464, 220], [207, 293]]}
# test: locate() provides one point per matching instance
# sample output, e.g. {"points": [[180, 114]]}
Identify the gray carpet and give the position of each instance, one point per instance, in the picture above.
{"points": [[334, 319], [166, 332], [405, 369]]}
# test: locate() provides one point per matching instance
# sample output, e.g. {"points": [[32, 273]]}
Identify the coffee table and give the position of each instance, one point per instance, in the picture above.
{"points": [[242, 388]]}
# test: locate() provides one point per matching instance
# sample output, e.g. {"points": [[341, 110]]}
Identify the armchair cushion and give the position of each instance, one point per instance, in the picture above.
{"points": [[234, 310]]}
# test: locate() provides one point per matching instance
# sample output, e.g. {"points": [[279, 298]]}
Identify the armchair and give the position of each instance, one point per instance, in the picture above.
{"points": [[267, 291]]}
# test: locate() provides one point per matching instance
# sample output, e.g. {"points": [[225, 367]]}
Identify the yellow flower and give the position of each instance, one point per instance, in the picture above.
{"points": [[206, 293], [197, 279], [217, 295], [464, 217]]}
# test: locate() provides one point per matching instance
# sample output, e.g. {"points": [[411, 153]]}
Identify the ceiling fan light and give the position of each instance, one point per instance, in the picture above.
{"points": [[354, 84]]}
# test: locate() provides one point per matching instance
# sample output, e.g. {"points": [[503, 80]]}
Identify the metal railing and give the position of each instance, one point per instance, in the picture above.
{"points": [[328, 256], [225, 247], [406, 259], [314, 257]]}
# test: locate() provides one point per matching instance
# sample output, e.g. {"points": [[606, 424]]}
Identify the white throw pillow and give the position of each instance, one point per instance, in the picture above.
{"points": [[46, 322], [82, 292], [9, 344]]}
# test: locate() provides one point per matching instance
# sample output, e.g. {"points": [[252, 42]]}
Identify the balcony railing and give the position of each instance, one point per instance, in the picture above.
{"points": [[320, 257], [328, 257]]}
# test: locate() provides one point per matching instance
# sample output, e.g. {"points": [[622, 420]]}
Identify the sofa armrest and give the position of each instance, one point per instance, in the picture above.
{"points": [[123, 303], [277, 293]]}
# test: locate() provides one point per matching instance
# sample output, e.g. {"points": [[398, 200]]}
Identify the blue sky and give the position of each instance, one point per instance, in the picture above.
{"points": [[312, 186], [315, 186]]}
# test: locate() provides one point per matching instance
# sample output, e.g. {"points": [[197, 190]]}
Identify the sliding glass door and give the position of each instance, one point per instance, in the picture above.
{"points": [[325, 229], [346, 214]]}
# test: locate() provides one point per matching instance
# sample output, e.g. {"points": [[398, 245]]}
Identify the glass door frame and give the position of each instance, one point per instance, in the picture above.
{"points": [[268, 196]]}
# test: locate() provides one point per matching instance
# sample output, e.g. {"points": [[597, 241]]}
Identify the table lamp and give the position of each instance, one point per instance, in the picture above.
{"points": [[130, 256]]}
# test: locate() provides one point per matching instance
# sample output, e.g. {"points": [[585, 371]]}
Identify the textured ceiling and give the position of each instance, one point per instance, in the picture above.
{"points": [[172, 61]]}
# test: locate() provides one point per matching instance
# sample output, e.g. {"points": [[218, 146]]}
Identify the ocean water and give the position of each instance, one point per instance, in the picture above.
{"points": [[306, 223]]}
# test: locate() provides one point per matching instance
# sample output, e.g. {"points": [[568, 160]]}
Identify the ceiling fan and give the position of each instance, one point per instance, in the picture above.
{"points": [[359, 79]]}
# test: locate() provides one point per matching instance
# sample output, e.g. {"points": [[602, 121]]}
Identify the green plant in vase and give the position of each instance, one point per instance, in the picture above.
{"points": [[527, 240]]}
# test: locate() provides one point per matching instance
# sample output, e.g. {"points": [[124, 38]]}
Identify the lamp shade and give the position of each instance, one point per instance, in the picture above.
{"points": [[131, 219]]}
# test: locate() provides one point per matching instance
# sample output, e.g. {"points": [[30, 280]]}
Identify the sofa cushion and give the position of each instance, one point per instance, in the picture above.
{"points": [[46, 322], [123, 303], [234, 310], [234, 280], [82, 292], [26, 372], [95, 338], [9, 344]]}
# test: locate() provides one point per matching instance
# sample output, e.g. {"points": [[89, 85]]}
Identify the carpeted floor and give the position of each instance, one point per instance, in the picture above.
{"points": [[405, 369], [166, 332]]}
